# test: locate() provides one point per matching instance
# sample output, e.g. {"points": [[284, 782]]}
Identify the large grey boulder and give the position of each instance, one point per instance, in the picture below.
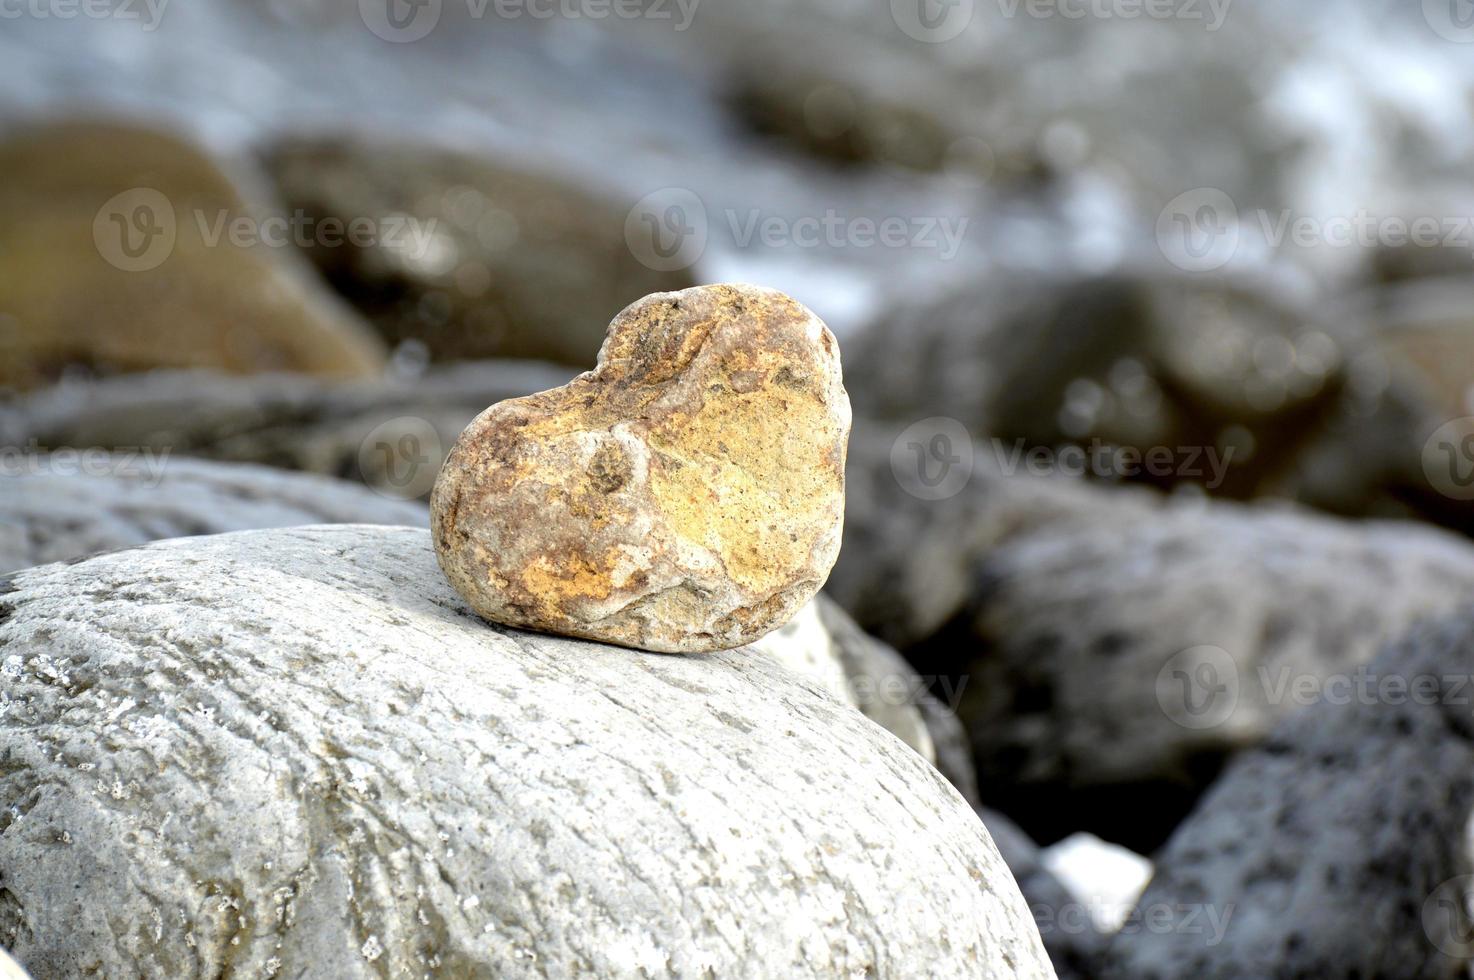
{"points": [[62, 507], [391, 432], [1077, 613], [296, 753], [1337, 848]]}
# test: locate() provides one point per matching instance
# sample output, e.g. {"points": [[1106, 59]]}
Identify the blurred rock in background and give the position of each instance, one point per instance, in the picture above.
{"points": [[490, 260], [120, 256], [1060, 612], [391, 433], [1338, 848]]}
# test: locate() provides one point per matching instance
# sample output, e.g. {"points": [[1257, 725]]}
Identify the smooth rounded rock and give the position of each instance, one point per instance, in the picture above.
{"points": [[687, 495], [297, 753]]}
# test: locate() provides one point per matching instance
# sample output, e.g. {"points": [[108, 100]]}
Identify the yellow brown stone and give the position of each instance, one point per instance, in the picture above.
{"points": [[686, 495]]}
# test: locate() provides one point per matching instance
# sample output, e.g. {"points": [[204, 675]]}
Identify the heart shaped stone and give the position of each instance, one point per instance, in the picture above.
{"points": [[686, 495]]}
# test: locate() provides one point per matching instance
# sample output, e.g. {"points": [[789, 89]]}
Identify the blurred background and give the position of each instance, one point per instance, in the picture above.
{"points": [[1157, 316]]}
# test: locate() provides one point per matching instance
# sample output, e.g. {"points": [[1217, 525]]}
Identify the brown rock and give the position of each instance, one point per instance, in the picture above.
{"points": [[686, 495], [112, 262], [524, 263]]}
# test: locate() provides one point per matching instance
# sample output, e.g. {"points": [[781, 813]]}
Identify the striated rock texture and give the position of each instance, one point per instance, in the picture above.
{"points": [[686, 495], [113, 264], [520, 262], [391, 432], [297, 753], [1337, 848], [61, 511]]}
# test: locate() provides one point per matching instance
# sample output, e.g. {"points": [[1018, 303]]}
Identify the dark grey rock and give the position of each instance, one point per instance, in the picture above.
{"points": [[1330, 850], [1250, 392], [1064, 612]]}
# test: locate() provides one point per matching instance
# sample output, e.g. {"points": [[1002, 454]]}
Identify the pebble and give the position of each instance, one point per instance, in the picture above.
{"points": [[687, 495]]}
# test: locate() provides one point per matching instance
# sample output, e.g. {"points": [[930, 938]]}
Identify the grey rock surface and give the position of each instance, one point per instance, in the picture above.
{"points": [[391, 433], [1083, 638], [105, 501], [1073, 612], [1071, 938], [904, 568], [296, 752], [880, 682], [1337, 848]]}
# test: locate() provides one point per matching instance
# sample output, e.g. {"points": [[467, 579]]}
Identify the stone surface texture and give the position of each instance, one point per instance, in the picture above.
{"points": [[1337, 848], [298, 753], [686, 495], [49, 516]]}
